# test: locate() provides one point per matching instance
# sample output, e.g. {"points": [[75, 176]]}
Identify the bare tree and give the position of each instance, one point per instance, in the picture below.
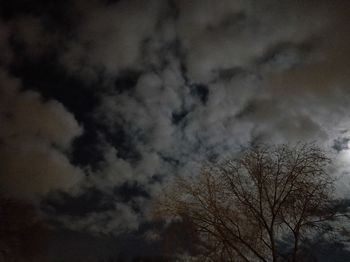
{"points": [[241, 208]]}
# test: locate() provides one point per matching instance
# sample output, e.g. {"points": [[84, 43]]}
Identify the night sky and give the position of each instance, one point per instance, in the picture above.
{"points": [[103, 102]]}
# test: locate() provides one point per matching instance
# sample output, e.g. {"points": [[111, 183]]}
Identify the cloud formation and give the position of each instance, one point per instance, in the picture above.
{"points": [[35, 137], [178, 82]]}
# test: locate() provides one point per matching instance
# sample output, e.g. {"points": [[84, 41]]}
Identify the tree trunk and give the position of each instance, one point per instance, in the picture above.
{"points": [[273, 246], [296, 245]]}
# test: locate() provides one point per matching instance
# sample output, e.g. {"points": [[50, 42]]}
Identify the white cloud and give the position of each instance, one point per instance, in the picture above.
{"points": [[272, 71], [111, 38], [246, 104], [233, 34], [35, 137]]}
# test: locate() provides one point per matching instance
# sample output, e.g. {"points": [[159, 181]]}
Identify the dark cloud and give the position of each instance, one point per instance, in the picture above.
{"points": [[136, 92], [341, 144], [75, 246]]}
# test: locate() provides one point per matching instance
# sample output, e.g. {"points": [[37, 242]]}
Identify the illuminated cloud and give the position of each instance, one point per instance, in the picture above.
{"points": [[35, 137]]}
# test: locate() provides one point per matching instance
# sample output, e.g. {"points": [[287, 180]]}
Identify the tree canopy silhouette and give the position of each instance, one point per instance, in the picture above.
{"points": [[241, 209]]}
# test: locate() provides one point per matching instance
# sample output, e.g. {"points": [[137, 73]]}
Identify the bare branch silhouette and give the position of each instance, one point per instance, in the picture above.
{"points": [[239, 209]]}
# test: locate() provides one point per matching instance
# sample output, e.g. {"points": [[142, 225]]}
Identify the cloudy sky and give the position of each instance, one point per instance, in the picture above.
{"points": [[102, 102]]}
